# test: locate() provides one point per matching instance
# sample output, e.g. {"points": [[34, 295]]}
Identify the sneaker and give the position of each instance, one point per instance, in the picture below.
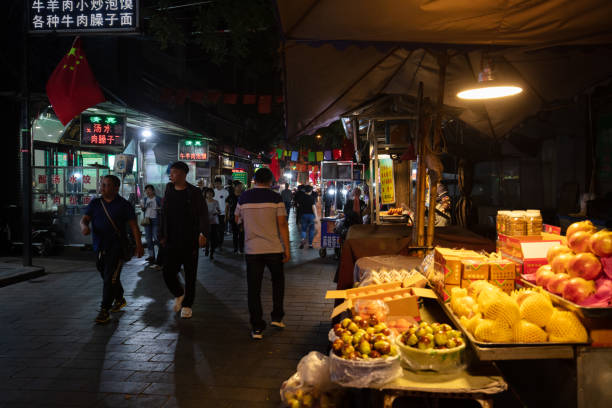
{"points": [[103, 317], [186, 313], [277, 323], [118, 305], [257, 334], [309, 246], [178, 303]]}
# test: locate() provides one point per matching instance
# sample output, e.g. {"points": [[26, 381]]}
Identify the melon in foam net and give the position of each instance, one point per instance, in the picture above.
{"points": [[537, 309], [564, 327]]}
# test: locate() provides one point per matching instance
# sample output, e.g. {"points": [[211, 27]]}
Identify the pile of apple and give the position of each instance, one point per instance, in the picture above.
{"points": [[425, 336], [576, 271], [363, 339]]}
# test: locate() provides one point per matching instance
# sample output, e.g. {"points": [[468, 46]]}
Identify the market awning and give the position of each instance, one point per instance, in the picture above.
{"points": [[341, 54]]}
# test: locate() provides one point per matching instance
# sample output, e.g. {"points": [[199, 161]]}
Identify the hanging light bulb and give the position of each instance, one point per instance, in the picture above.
{"points": [[489, 88]]}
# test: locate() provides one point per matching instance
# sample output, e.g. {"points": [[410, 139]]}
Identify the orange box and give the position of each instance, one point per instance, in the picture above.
{"points": [[445, 291], [507, 285], [475, 270], [502, 269], [448, 262]]}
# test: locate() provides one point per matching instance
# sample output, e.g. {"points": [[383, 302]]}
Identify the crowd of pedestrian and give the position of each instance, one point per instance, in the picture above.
{"points": [[188, 218]]}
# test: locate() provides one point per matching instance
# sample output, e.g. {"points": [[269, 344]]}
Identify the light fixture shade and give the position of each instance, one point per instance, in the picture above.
{"points": [[489, 88]]}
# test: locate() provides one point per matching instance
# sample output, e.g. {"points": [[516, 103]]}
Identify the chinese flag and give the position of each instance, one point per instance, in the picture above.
{"points": [[72, 87]]}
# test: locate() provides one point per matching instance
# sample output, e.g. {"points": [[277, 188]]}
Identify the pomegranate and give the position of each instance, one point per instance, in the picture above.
{"points": [[585, 265], [543, 278], [579, 241], [601, 243], [577, 289], [557, 283], [580, 226], [562, 262], [556, 250]]}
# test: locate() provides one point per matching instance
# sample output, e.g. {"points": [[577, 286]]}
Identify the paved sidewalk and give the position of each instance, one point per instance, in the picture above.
{"points": [[52, 355]]}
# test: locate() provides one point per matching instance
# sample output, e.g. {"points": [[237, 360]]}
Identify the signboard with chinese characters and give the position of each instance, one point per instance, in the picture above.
{"points": [[102, 130], [193, 150], [75, 16], [226, 162], [387, 184], [240, 175]]}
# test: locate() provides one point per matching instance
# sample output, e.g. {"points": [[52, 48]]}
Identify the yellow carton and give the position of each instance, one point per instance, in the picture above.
{"points": [[475, 270], [502, 269]]}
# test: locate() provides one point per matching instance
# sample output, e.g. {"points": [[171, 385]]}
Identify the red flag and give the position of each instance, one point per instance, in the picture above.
{"points": [[230, 99], [264, 105], [72, 87], [249, 99]]}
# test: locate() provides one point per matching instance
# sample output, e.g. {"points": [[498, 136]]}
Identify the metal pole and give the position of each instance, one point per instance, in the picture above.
{"points": [[437, 129], [417, 143], [25, 147]]}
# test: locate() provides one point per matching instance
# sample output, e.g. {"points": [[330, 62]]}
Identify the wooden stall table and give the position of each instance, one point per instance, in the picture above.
{"points": [[372, 240], [479, 384]]}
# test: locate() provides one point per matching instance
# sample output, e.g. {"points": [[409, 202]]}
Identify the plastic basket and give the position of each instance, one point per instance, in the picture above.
{"points": [[364, 373], [438, 360]]}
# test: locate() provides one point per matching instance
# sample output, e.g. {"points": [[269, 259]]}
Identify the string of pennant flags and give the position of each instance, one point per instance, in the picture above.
{"points": [[180, 96], [308, 156]]}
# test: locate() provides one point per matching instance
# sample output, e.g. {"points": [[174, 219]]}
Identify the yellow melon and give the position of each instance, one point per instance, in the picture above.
{"points": [[564, 327], [526, 332], [499, 306], [537, 309], [493, 331]]}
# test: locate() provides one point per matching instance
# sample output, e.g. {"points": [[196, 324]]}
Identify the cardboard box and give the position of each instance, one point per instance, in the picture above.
{"points": [[449, 263], [445, 291], [507, 285], [365, 290], [475, 270], [502, 269], [405, 306]]}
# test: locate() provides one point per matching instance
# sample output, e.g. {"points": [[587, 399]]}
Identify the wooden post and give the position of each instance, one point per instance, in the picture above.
{"points": [[418, 140], [437, 136]]}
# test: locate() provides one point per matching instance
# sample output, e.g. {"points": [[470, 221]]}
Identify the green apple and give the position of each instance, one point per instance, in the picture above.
{"points": [[451, 343], [347, 338], [347, 349], [352, 327], [441, 338], [446, 327], [345, 323], [412, 340], [364, 347], [382, 346]]}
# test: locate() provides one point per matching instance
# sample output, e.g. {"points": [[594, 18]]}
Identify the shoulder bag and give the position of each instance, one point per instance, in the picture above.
{"points": [[127, 245]]}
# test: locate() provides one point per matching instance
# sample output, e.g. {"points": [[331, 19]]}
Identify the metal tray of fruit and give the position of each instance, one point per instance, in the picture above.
{"points": [[584, 312], [512, 351]]}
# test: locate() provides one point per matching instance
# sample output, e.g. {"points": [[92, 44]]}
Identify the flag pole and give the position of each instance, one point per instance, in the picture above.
{"points": [[25, 146]]}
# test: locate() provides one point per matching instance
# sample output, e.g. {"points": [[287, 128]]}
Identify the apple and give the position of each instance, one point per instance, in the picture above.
{"points": [[601, 243], [580, 226], [543, 268], [562, 262], [577, 289], [543, 278], [579, 241], [557, 283], [585, 265], [556, 250]]}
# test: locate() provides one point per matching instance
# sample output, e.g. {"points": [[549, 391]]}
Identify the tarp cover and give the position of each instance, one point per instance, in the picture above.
{"points": [[340, 54]]}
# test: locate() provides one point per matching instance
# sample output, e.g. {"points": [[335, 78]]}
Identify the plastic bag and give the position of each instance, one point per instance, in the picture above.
{"points": [[371, 307], [311, 385], [427, 266], [364, 373], [313, 369]]}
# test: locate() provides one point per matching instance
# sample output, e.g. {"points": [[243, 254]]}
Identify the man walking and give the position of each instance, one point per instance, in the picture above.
{"points": [[237, 229], [109, 216], [184, 228], [263, 215], [221, 197], [287, 196]]}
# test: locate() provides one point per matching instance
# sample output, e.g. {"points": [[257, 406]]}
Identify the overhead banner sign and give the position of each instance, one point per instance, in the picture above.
{"points": [[102, 130], [193, 150], [83, 16], [240, 175], [387, 184]]}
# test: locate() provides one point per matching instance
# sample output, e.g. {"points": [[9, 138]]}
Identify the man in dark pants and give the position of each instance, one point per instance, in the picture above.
{"points": [[184, 227], [109, 216], [263, 215], [237, 230]]}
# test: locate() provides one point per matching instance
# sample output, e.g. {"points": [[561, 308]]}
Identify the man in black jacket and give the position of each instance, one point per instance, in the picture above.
{"points": [[184, 228]]}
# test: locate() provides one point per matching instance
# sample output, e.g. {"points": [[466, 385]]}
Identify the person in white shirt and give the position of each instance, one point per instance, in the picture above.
{"points": [[151, 205], [221, 195]]}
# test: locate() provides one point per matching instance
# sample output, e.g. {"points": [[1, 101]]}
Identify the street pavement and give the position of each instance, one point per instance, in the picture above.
{"points": [[53, 355]]}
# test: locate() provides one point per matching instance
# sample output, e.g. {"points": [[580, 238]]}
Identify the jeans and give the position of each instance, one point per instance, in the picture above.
{"points": [[151, 234], [109, 264], [288, 208], [308, 227], [238, 236], [221, 231], [173, 259], [255, 269]]}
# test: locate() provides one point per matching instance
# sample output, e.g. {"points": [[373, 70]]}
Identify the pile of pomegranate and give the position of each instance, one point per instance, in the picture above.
{"points": [[581, 272]]}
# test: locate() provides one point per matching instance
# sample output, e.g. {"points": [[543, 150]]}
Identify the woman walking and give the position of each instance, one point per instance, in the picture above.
{"points": [[213, 220], [151, 205], [309, 217]]}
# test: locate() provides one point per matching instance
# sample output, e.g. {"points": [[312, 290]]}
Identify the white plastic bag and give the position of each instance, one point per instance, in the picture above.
{"points": [[364, 373], [313, 369], [311, 383]]}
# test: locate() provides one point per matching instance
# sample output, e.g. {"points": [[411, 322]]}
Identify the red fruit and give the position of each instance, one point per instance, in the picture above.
{"points": [[580, 226], [579, 241], [601, 243], [585, 266], [562, 262], [543, 278], [556, 250], [577, 289], [543, 268], [557, 283]]}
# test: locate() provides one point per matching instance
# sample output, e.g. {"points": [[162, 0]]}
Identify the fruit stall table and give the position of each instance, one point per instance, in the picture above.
{"points": [[372, 240]]}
